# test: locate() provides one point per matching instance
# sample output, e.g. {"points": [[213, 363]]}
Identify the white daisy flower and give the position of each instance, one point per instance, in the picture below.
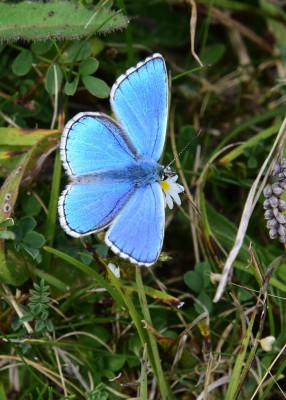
{"points": [[171, 190]]}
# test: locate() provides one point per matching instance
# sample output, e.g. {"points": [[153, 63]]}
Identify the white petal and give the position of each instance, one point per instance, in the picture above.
{"points": [[267, 342], [169, 201], [176, 197], [180, 188], [115, 270]]}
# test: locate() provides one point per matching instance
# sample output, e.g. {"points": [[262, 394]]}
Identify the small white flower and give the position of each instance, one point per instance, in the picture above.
{"points": [[171, 191], [115, 270], [267, 342], [214, 278]]}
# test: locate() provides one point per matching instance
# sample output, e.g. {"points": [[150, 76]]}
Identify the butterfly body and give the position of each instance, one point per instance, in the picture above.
{"points": [[115, 177]]}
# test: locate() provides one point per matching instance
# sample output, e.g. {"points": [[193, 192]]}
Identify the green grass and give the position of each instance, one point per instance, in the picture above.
{"points": [[69, 328]]}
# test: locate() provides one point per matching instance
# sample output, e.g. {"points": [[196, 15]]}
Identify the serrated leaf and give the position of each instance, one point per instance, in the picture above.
{"points": [[54, 78], [22, 63], [62, 19], [88, 66], [96, 86]]}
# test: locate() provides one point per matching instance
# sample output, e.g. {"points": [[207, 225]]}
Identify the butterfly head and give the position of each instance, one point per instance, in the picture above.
{"points": [[170, 187]]}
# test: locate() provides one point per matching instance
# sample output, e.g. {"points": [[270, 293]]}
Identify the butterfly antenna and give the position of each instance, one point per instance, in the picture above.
{"points": [[193, 204], [177, 156], [185, 147]]}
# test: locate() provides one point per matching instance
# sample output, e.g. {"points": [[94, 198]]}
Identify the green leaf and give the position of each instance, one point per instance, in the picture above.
{"points": [[77, 51], [22, 63], [37, 20], [33, 252], [88, 66], [16, 324], [23, 137], [54, 78], [70, 87], [204, 269], [31, 206], [13, 268], [37, 308], [96, 86], [212, 54], [40, 325], [205, 299], [252, 162], [7, 223], [116, 362], [44, 315], [34, 240], [101, 249], [40, 48], [194, 281], [49, 326], [7, 235], [27, 224], [27, 317], [2, 392]]}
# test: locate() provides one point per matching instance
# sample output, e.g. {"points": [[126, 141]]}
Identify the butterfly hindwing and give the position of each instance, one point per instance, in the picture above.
{"points": [[139, 98], [137, 233], [85, 208]]}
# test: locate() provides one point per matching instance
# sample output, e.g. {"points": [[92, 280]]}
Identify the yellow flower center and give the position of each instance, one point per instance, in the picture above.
{"points": [[165, 185]]}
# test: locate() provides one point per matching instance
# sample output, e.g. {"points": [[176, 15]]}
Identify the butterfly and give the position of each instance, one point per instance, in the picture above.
{"points": [[115, 178]]}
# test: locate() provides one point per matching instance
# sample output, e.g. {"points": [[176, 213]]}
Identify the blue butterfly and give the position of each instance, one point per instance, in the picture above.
{"points": [[115, 178]]}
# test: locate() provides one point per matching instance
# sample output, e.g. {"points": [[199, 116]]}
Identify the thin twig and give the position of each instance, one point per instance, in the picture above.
{"points": [[193, 23]]}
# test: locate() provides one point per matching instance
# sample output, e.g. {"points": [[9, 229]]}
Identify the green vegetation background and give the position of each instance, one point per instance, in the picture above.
{"points": [[70, 329]]}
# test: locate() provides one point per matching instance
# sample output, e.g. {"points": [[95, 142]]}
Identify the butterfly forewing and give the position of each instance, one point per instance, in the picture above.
{"points": [[139, 99], [93, 142]]}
